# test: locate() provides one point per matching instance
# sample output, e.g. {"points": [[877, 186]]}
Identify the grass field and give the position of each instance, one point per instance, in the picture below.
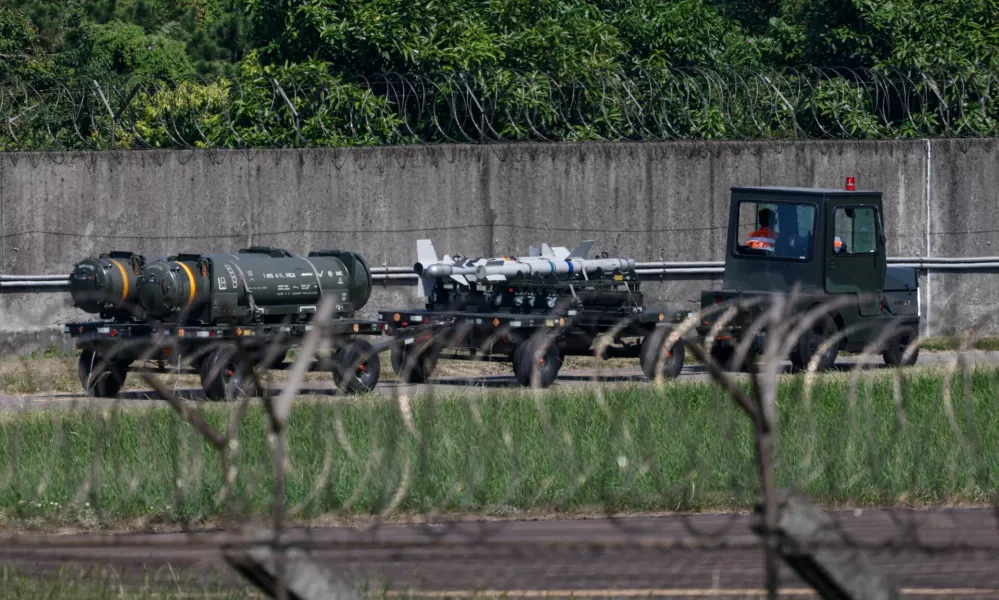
{"points": [[71, 581], [633, 449]]}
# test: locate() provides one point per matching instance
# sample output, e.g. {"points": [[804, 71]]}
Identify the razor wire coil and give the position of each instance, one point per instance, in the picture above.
{"points": [[498, 107]]}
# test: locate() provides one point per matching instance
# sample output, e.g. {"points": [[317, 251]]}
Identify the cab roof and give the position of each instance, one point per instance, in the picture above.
{"points": [[802, 191]]}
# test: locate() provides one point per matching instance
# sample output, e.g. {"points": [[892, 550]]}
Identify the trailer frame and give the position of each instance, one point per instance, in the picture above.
{"points": [[425, 336], [109, 350]]}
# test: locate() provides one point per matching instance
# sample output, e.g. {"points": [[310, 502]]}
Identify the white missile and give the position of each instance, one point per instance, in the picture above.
{"points": [[546, 260], [502, 270]]}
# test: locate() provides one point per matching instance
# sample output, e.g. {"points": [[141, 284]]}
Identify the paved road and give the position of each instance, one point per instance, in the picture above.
{"points": [[388, 385], [701, 556]]}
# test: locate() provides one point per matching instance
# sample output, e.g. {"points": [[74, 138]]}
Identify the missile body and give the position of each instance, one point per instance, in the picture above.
{"points": [[502, 270], [545, 262]]}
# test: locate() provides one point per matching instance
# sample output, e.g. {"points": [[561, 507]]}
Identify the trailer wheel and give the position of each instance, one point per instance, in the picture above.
{"points": [[670, 365], [356, 368], [410, 367], [808, 344], [222, 377], [533, 356], [896, 350], [99, 377]]}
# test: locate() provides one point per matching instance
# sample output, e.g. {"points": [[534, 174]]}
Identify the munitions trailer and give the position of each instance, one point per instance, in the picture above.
{"points": [[533, 324], [194, 308], [109, 351]]}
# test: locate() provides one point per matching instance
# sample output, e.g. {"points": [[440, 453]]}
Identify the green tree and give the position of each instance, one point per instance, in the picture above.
{"points": [[568, 39], [19, 46], [121, 50], [909, 34]]}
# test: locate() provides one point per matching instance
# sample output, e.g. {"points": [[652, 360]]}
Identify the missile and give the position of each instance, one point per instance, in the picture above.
{"points": [[463, 271], [545, 261], [503, 270]]}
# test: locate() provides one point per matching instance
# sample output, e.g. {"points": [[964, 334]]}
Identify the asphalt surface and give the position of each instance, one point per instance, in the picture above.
{"points": [[388, 385], [673, 556]]}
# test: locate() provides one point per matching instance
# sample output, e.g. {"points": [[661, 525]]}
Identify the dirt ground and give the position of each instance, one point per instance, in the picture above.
{"points": [[59, 374]]}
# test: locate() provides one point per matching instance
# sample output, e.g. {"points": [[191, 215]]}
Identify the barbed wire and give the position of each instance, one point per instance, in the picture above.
{"points": [[399, 472], [321, 110]]}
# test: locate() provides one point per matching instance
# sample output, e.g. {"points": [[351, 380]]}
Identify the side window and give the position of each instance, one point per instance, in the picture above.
{"points": [[855, 230], [750, 214], [775, 229]]}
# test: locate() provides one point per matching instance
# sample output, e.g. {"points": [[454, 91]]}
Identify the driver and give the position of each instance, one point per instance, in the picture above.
{"points": [[765, 237]]}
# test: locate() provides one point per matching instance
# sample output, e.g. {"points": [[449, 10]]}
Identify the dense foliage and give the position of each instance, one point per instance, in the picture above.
{"points": [[288, 72]]}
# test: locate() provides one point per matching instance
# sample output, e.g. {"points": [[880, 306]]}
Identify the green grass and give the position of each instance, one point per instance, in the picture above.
{"points": [[944, 344], [102, 582], [686, 448]]}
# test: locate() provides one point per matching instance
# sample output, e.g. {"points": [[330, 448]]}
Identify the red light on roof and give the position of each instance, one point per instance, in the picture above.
{"points": [[850, 184]]}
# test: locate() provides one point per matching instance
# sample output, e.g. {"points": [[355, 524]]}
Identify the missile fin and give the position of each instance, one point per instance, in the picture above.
{"points": [[425, 256], [546, 250], [460, 279], [495, 277], [582, 249], [425, 253], [533, 251]]}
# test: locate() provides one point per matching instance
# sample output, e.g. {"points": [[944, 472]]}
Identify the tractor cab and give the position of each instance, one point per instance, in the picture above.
{"points": [[829, 242]]}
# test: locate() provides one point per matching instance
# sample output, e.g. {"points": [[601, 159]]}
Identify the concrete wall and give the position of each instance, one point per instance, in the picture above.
{"points": [[652, 201]]}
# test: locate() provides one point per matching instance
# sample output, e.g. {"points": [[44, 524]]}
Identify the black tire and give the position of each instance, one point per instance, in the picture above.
{"points": [[649, 357], [356, 368], [222, 376], [547, 364], [410, 367], [100, 378], [808, 344], [895, 350]]}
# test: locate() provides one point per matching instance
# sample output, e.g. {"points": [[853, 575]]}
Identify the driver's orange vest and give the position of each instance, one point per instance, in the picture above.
{"points": [[763, 238]]}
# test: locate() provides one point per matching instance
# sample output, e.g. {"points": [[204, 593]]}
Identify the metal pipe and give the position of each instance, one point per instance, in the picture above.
{"points": [[943, 260], [34, 283], [34, 277], [668, 270], [23, 283], [680, 264]]}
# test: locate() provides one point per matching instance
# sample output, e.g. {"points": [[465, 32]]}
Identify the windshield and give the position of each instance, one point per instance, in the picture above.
{"points": [[775, 230]]}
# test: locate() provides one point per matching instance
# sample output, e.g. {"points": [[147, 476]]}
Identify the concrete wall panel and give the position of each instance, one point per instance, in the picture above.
{"points": [[653, 201]]}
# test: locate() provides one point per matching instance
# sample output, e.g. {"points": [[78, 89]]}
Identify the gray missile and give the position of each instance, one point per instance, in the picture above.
{"points": [[430, 268], [502, 270]]}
